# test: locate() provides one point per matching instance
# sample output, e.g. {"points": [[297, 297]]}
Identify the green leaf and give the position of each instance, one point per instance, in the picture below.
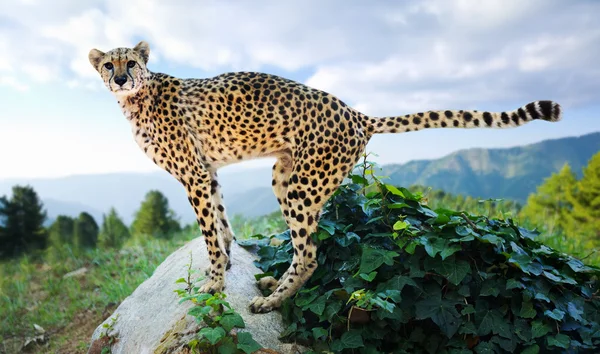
{"points": [[442, 312], [560, 340], [555, 314], [453, 270], [394, 190], [527, 310], [493, 239], [493, 322], [514, 284], [213, 335], [319, 332], [232, 320], [369, 277], [227, 346], [433, 245], [532, 349], [539, 329], [484, 348], [450, 250], [351, 339], [246, 343], [372, 258], [180, 280], [575, 312], [318, 306], [400, 225], [490, 287]]}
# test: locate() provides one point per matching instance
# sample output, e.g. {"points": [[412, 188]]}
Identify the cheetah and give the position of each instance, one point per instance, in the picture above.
{"points": [[190, 127]]}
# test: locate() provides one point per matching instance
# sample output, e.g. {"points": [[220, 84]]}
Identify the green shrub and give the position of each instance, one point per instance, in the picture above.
{"points": [[395, 276]]}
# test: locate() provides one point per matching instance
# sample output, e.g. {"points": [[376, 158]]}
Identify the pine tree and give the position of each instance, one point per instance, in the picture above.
{"points": [[22, 218], [549, 207], [113, 232], [61, 231], [584, 218], [154, 217], [86, 231]]}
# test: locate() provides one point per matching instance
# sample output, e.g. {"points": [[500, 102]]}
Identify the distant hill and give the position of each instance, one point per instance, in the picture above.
{"points": [[510, 173]]}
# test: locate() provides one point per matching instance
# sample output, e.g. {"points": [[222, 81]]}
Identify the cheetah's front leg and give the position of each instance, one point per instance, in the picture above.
{"points": [[200, 197]]}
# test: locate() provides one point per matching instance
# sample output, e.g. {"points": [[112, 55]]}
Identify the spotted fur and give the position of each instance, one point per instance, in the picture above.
{"points": [[191, 127]]}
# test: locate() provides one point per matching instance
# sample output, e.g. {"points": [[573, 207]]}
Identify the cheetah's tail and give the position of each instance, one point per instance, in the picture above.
{"points": [[545, 110]]}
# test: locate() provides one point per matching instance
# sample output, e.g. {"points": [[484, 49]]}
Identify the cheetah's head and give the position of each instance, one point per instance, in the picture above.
{"points": [[123, 69]]}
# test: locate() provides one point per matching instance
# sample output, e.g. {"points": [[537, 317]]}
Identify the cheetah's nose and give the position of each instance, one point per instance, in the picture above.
{"points": [[120, 80]]}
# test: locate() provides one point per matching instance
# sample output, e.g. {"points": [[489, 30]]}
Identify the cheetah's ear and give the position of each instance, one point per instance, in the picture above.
{"points": [[143, 49], [95, 57]]}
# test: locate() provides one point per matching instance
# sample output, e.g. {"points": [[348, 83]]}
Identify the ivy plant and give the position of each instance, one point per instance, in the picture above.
{"points": [[395, 276]]}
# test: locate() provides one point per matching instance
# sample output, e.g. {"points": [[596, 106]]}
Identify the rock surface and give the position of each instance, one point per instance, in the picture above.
{"points": [[151, 320]]}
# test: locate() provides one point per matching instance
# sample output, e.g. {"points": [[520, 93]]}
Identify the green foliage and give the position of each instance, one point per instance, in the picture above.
{"points": [[86, 231], [155, 217], [21, 222], [396, 276], [549, 204], [62, 231], [219, 319], [584, 216], [566, 210], [33, 291], [113, 232]]}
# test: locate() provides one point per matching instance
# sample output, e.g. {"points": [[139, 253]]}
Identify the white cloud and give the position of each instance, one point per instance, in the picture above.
{"points": [[383, 56], [13, 82]]}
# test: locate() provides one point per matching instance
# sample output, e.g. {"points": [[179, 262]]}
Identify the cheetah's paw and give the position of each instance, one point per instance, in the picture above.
{"points": [[213, 286], [264, 304], [267, 283]]}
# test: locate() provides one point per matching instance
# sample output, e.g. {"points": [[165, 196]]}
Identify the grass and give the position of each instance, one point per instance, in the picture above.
{"points": [[33, 290]]}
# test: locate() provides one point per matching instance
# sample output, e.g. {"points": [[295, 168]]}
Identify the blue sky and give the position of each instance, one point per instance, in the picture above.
{"points": [[384, 58]]}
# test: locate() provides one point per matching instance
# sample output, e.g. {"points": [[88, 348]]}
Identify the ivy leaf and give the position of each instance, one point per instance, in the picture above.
{"points": [[450, 250], [490, 287], [539, 329], [394, 190], [527, 310], [442, 312], [532, 349], [319, 332], [369, 277], [400, 225], [433, 245], [575, 312], [372, 258], [213, 335], [555, 314], [227, 346], [246, 343], [485, 348], [492, 321], [453, 270], [560, 340], [318, 306], [231, 320], [349, 340]]}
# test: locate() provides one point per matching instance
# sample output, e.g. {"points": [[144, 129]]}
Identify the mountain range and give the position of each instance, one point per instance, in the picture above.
{"points": [[510, 173]]}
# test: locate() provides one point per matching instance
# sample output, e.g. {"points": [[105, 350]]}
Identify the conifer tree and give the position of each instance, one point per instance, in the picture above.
{"points": [[154, 217], [22, 220], [113, 232], [86, 231]]}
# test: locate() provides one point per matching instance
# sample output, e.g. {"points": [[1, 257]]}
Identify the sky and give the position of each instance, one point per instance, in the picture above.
{"points": [[383, 58]]}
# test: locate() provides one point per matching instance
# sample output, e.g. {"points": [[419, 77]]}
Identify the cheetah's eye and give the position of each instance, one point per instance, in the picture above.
{"points": [[109, 66], [130, 64]]}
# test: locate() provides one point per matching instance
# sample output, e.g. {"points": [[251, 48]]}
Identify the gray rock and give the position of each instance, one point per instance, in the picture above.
{"points": [[151, 320]]}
